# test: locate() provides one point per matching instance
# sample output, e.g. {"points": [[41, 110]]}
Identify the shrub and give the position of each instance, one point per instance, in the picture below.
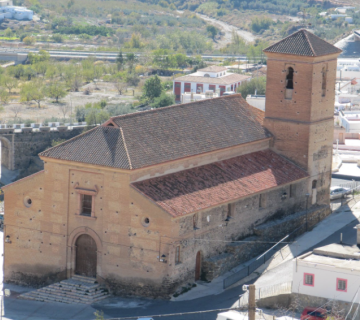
{"points": [[57, 38], [29, 40]]}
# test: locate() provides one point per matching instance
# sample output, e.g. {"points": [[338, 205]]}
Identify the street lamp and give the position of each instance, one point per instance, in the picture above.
{"points": [[307, 203]]}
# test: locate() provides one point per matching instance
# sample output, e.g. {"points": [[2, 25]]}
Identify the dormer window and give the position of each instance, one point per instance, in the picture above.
{"points": [[289, 83]]}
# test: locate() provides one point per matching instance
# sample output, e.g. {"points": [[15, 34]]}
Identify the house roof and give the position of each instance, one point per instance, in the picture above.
{"points": [[224, 80], [303, 43], [147, 138], [213, 69], [221, 182]]}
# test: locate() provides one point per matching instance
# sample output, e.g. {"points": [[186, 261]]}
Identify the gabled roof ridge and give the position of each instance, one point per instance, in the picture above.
{"points": [[163, 109], [283, 40], [125, 147], [309, 42]]}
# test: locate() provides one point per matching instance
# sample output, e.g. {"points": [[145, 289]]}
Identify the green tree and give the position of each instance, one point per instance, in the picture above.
{"points": [[4, 96], [249, 87], [212, 31], [96, 116], [38, 57], [132, 79], [9, 82], [152, 88], [8, 33], [163, 100], [56, 91], [29, 40], [120, 60], [33, 90]]}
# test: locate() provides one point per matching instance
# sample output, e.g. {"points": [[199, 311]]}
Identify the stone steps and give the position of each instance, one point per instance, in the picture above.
{"points": [[78, 289]]}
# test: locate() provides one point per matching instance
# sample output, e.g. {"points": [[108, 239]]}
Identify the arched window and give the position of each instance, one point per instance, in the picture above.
{"points": [[314, 183], [206, 75], [323, 81], [290, 78]]}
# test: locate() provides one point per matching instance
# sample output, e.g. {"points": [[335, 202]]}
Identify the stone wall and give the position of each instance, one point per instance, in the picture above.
{"points": [[239, 252], [20, 149]]}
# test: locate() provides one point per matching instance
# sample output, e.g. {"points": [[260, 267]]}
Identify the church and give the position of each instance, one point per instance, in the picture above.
{"points": [[144, 201]]}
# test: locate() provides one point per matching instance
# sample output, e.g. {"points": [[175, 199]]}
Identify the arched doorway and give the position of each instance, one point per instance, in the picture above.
{"points": [[86, 256], [198, 266]]}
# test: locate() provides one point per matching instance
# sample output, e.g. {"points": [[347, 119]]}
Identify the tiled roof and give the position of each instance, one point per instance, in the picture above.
{"points": [[151, 137], [213, 69], [221, 182], [224, 80], [303, 43], [100, 146]]}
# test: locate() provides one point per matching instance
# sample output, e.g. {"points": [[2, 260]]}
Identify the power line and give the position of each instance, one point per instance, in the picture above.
{"points": [[177, 314], [241, 241]]}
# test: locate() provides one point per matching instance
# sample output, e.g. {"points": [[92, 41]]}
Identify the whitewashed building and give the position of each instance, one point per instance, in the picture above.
{"points": [[330, 272], [14, 12], [214, 78]]}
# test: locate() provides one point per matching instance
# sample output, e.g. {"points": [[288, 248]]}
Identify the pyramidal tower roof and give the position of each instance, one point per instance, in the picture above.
{"points": [[303, 43]]}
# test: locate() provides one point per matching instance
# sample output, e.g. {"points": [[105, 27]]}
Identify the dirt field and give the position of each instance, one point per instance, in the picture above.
{"points": [[50, 109]]}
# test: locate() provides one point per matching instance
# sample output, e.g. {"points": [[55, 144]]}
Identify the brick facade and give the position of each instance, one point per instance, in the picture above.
{"points": [[141, 248]]}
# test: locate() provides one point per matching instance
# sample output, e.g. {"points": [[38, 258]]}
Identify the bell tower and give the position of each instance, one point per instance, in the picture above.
{"points": [[300, 94]]}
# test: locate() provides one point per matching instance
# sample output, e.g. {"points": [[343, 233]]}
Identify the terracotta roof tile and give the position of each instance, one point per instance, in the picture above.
{"points": [[203, 187], [303, 43]]}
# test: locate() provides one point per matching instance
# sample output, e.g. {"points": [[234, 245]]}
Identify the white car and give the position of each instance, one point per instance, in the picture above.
{"points": [[232, 315], [339, 192]]}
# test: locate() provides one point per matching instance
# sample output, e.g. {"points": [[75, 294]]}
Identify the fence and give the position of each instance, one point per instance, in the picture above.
{"points": [[264, 292]]}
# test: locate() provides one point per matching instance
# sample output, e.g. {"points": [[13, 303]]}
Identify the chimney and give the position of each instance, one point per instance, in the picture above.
{"points": [[357, 227]]}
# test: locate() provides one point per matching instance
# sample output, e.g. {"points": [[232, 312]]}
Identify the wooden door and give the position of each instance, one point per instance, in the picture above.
{"points": [[198, 266], [86, 256]]}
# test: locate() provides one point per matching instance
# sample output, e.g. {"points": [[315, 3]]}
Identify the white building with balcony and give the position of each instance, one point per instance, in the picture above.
{"points": [[214, 78]]}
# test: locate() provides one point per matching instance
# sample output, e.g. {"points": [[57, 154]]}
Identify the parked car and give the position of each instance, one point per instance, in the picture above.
{"points": [[339, 192], [228, 93], [314, 314]]}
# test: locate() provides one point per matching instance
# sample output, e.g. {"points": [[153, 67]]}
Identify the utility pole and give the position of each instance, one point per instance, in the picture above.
{"points": [[252, 304]]}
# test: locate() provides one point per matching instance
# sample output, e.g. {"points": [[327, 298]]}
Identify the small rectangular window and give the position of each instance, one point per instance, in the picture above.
{"points": [[292, 191], [308, 279], [341, 285], [177, 255], [231, 210], [86, 205], [177, 85], [262, 201], [195, 221]]}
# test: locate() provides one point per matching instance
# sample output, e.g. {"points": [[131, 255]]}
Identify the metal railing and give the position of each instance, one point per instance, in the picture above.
{"points": [[265, 292], [263, 258]]}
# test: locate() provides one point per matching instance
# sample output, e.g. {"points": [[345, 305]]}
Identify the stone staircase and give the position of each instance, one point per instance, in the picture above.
{"points": [[78, 289]]}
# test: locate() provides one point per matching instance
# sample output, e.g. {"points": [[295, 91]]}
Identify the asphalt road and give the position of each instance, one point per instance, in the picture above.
{"points": [[223, 300]]}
